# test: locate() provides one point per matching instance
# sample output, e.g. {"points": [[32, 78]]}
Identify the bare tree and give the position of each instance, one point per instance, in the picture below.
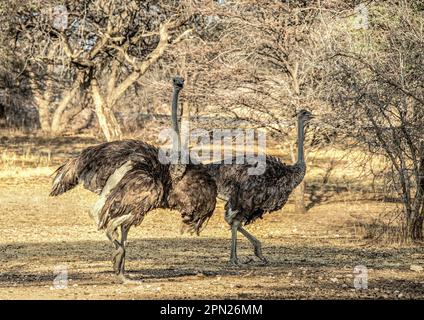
{"points": [[375, 83], [104, 45], [257, 66]]}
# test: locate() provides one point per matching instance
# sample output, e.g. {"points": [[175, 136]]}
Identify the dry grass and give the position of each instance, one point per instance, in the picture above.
{"points": [[311, 256]]}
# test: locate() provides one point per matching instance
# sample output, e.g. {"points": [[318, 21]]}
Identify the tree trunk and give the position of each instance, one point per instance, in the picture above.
{"points": [[64, 102], [41, 102], [43, 95], [417, 229], [415, 213], [107, 120], [414, 227], [416, 219], [43, 112], [299, 198]]}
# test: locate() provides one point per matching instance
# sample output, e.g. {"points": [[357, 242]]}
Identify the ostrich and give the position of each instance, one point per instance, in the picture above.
{"points": [[131, 181], [248, 197]]}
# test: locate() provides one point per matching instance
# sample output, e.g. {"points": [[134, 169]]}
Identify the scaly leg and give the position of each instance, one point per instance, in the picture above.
{"points": [[233, 255], [119, 259], [124, 233], [119, 254], [256, 244], [113, 237]]}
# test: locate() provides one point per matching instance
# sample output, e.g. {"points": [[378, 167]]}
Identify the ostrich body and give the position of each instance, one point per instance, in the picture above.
{"points": [[248, 197], [131, 181]]}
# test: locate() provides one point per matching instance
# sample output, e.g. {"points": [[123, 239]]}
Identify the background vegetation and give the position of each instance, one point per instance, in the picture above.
{"points": [[103, 70]]}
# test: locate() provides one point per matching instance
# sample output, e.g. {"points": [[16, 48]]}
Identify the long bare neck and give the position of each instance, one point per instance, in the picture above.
{"points": [[176, 170], [300, 142], [175, 116]]}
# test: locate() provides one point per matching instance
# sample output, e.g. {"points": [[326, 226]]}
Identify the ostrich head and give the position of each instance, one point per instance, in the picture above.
{"points": [[304, 115], [178, 83]]}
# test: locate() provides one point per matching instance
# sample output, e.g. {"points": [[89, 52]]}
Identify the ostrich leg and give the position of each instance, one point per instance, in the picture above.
{"points": [[256, 244], [118, 259], [119, 254], [230, 217], [233, 255]]}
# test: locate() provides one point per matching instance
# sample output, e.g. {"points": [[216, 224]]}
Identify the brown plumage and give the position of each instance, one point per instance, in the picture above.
{"points": [[95, 164], [254, 195], [131, 181], [248, 196], [147, 185]]}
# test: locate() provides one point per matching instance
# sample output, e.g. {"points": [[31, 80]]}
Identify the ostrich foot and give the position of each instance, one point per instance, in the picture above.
{"points": [[264, 261], [262, 258], [238, 263], [258, 253], [125, 280], [118, 260]]}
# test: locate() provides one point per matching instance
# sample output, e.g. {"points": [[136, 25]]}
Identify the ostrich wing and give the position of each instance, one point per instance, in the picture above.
{"points": [[95, 164], [138, 192]]}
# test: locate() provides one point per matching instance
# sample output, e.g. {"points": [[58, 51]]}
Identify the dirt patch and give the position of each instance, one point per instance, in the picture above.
{"points": [[311, 256]]}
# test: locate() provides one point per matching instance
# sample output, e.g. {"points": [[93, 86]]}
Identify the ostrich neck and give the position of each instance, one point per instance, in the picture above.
{"points": [[300, 142], [174, 116]]}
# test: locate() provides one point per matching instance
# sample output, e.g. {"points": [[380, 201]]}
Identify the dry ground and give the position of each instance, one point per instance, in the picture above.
{"points": [[311, 255]]}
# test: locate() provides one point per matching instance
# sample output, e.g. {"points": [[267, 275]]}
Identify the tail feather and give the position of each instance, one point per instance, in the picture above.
{"points": [[65, 178], [194, 223]]}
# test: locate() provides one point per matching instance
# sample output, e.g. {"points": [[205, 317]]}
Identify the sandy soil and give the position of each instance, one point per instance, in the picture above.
{"points": [[311, 256]]}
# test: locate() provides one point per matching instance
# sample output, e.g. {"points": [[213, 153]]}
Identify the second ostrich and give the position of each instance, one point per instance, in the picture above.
{"points": [[132, 181], [248, 197]]}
